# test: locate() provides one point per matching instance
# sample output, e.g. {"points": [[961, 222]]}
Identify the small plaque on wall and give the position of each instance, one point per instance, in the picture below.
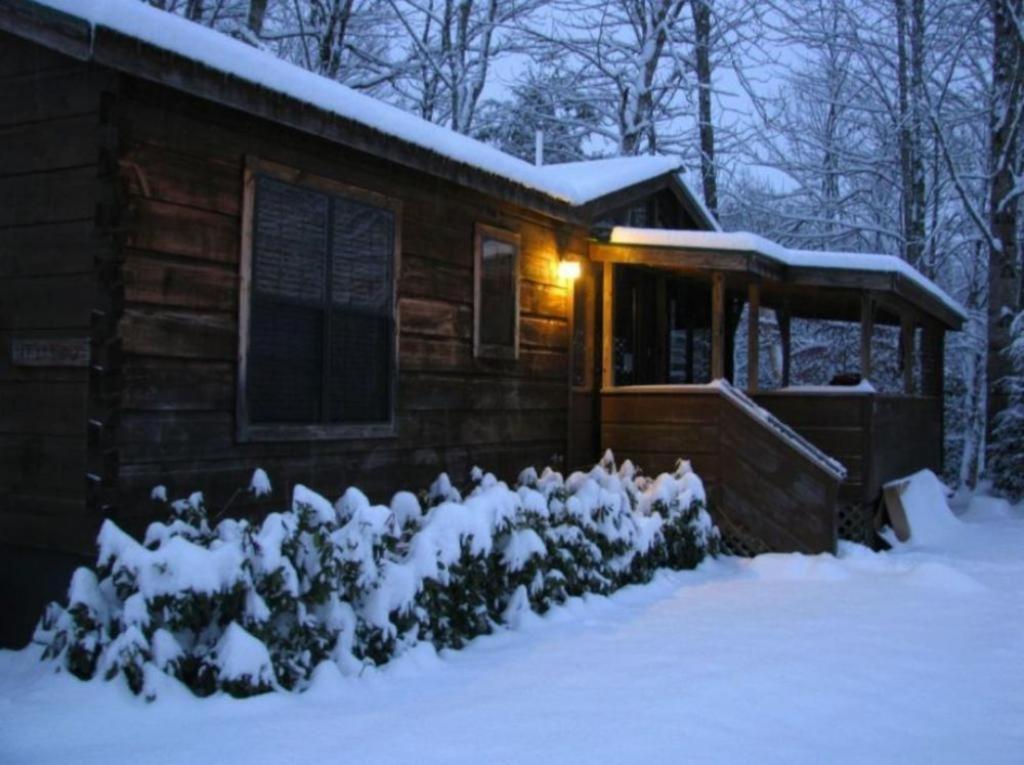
{"points": [[50, 352]]}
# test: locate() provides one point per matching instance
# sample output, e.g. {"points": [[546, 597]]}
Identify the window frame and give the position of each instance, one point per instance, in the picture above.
{"points": [[483, 350], [246, 430]]}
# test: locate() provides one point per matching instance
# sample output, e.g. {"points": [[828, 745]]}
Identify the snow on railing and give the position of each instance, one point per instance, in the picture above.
{"points": [[781, 429]]}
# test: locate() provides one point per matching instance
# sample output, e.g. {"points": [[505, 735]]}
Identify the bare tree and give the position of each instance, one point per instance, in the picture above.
{"points": [[706, 127], [630, 58], [449, 48]]}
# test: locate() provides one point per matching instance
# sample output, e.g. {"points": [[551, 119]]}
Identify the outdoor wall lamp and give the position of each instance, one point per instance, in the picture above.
{"points": [[569, 270]]}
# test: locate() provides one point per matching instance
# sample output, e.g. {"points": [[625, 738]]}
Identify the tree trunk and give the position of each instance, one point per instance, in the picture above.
{"points": [[257, 12], [918, 196], [1004, 254], [702, 36], [194, 10], [910, 81]]}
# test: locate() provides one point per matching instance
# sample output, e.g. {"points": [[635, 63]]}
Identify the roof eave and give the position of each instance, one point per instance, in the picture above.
{"points": [[135, 58], [669, 180], [48, 27], [760, 266]]}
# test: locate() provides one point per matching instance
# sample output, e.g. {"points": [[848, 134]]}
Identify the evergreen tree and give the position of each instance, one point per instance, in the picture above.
{"points": [[546, 101], [1007, 450]]}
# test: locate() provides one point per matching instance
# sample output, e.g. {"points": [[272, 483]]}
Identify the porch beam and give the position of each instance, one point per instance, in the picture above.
{"points": [[753, 335], [717, 325], [687, 259], [867, 329], [608, 326], [907, 333]]}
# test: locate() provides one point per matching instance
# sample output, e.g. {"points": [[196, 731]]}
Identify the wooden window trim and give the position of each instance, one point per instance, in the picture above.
{"points": [[249, 431], [483, 350]]}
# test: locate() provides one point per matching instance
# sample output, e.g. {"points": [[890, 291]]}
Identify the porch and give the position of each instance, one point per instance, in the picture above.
{"points": [[788, 466]]}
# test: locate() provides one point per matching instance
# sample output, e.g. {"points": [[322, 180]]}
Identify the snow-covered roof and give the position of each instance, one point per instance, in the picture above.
{"points": [[587, 181], [747, 242], [576, 183]]}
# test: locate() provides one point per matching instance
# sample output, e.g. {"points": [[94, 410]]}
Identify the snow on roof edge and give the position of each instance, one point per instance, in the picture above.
{"points": [[696, 199], [746, 241], [177, 35]]}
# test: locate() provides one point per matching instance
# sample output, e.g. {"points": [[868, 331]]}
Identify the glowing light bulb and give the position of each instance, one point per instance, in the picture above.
{"points": [[568, 269]]}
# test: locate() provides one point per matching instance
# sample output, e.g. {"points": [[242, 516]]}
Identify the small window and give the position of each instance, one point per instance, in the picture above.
{"points": [[317, 318], [496, 293]]}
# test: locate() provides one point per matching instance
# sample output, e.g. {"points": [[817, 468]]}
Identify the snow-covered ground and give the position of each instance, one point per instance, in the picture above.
{"points": [[915, 655]]}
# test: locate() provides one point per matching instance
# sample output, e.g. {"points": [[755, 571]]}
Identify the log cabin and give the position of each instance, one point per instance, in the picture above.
{"points": [[212, 261]]}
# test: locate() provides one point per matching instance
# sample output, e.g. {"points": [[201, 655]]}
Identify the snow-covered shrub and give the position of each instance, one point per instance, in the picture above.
{"points": [[244, 608], [1006, 453]]}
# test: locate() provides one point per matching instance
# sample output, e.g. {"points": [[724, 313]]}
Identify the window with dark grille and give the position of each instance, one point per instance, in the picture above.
{"points": [[320, 347], [496, 308]]}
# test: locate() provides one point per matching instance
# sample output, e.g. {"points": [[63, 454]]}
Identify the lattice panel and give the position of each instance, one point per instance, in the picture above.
{"points": [[738, 541], [856, 524]]}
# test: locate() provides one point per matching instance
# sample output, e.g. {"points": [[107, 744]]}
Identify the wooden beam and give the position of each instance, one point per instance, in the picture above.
{"points": [[753, 335], [717, 325], [907, 327], [933, 363], [783, 316], [688, 318], [608, 326], [867, 329], [687, 259]]}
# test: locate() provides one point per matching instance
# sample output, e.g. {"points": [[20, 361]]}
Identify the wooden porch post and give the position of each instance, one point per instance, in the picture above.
{"points": [[867, 329], [608, 327], [753, 335], [717, 325], [784, 335], [661, 325], [907, 347], [932, 359]]}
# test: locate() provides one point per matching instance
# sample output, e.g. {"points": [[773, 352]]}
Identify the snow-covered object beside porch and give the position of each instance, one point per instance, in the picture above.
{"points": [[746, 242], [923, 500]]}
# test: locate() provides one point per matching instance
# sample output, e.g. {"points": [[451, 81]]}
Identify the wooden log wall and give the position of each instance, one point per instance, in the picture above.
{"points": [[906, 436], [764, 494], [181, 163], [876, 437], [839, 425], [769, 493], [654, 430], [51, 189]]}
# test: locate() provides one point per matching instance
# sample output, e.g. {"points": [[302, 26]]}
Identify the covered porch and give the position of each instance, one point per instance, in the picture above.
{"points": [[696, 359]]}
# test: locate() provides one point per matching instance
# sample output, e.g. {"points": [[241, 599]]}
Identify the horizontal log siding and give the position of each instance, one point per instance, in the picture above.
{"points": [[906, 436], [877, 438], [838, 425], [182, 170], [50, 139], [759, 486]]}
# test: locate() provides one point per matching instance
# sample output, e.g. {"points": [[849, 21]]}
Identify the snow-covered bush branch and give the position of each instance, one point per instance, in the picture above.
{"points": [[248, 608]]}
